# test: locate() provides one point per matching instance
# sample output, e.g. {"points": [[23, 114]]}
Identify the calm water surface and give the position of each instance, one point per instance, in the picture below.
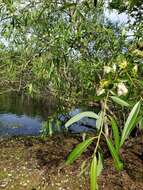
{"points": [[22, 115]]}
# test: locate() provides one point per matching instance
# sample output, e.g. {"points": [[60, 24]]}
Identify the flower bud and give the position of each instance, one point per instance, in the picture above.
{"points": [[123, 64], [135, 69], [100, 91], [107, 69], [122, 89]]}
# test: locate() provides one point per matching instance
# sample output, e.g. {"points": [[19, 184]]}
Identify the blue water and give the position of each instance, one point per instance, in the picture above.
{"points": [[21, 115], [12, 124]]}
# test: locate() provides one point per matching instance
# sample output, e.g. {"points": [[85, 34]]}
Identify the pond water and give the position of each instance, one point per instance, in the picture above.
{"points": [[22, 115]]}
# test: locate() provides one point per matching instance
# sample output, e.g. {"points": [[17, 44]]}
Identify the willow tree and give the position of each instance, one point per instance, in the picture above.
{"points": [[65, 47]]}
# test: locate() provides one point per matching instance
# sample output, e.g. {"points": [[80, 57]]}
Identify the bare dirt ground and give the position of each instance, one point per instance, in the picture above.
{"points": [[33, 164]]}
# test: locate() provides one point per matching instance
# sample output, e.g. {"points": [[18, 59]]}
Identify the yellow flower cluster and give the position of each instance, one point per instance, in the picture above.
{"points": [[123, 64]]}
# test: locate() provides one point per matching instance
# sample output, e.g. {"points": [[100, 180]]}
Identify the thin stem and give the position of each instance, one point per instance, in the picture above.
{"points": [[101, 129], [131, 80]]}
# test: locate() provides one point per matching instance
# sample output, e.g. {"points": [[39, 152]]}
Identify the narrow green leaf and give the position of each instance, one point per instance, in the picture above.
{"points": [[93, 174], [78, 150], [120, 101], [130, 123], [100, 120], [80, 116], [115, 133], [115, 155], [99, 164]]}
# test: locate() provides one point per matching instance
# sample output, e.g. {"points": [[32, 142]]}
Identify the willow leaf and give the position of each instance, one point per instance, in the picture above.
{"points": [[118, 164], [99, 164], [115, 133], [100, 120], [130, 123], [78, 150], [80, 116], [93, 174], [120, 101]]}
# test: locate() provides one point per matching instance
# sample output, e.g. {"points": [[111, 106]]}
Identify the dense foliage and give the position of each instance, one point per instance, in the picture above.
{"points": [[67, 47]]}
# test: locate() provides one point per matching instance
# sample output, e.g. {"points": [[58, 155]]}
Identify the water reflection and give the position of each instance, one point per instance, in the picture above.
{"points": [[22, 115], [25, 105]]}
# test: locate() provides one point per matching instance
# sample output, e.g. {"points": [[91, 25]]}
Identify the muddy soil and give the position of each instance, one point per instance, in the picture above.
{"points": [[35, 164]]}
